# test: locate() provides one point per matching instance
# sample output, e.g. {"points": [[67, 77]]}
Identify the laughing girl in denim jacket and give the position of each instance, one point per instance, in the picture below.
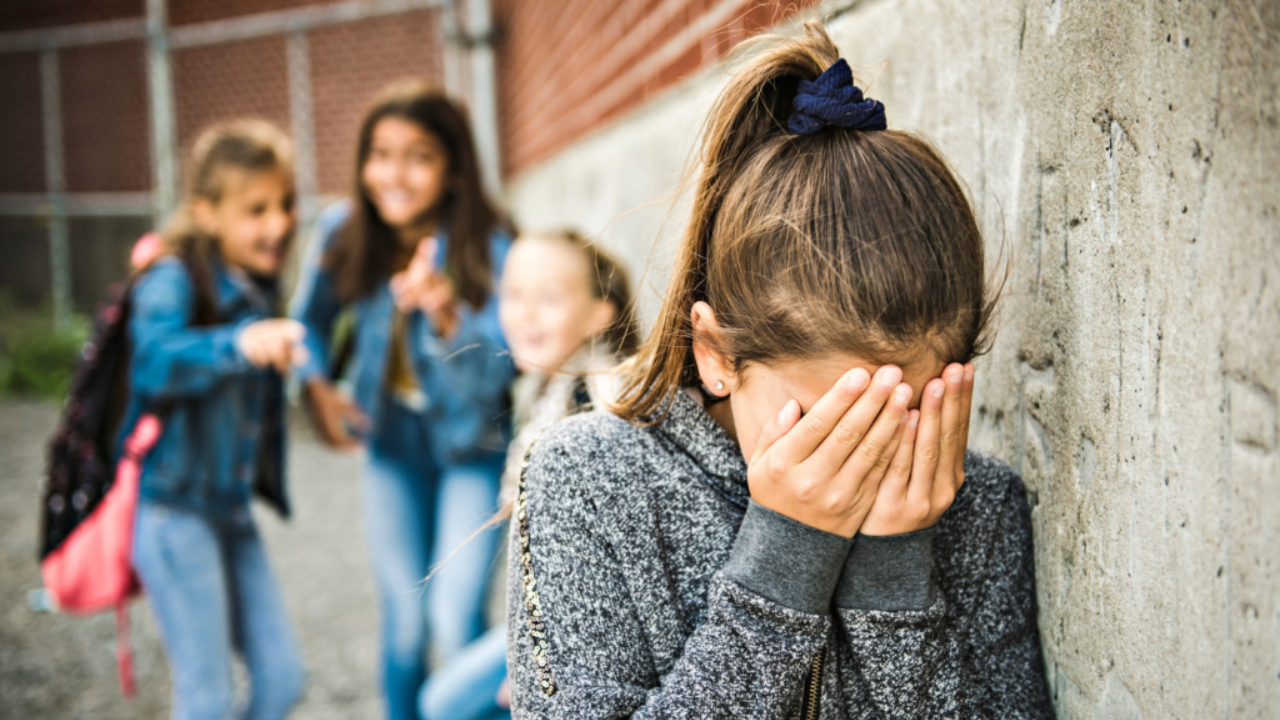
{"points": [[414, 257], [209, 356]]}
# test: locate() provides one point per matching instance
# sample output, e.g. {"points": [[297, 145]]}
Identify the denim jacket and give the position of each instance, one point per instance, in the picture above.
{"points": [[223, 419], [464, 378]]}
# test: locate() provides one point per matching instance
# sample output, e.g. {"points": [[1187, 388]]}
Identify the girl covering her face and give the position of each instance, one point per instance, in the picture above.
{"points": [[779, 518]]}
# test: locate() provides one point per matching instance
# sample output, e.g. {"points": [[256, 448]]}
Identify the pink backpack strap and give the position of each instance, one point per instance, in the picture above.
{"points": [[124, 650], [141, 440]]}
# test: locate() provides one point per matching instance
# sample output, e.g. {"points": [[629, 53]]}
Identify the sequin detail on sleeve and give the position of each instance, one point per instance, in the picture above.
{"points": [[532, 604]]}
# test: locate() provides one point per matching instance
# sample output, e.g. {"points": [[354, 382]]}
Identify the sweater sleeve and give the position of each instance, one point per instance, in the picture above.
{"points": [[913, 656], [578, 647]]}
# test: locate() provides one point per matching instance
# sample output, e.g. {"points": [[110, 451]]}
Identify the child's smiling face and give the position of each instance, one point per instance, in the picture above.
{"points": [[546, 306], [405, 172], [253, 221]]}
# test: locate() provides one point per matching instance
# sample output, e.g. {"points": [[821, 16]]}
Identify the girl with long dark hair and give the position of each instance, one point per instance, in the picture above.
{"points": [[414, 256]]}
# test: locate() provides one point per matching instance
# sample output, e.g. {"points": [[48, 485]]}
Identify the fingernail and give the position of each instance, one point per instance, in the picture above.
{"points": [[784, 412], [938, 390], [968, 373], [902, 394], [890, 376], [914, 419], [857, 379], [954, 376]]}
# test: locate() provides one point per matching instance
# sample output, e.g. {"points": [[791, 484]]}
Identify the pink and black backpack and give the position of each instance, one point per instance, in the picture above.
{"points": [[89, 495]]}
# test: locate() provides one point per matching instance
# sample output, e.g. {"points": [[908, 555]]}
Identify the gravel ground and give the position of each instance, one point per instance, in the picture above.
{"points": [[56, 666]]}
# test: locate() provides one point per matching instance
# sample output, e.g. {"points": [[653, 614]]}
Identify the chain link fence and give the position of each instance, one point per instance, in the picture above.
{"points": [[101, 108]]}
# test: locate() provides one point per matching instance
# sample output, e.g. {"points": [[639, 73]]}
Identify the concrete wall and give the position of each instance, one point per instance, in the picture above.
{"points": [[1127, 155]]}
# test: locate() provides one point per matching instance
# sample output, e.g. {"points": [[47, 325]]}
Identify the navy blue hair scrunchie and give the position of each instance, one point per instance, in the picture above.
{"points": [[833, 99]]}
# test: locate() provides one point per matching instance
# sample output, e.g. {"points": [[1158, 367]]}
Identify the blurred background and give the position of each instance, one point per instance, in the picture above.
{"points": [[102, 98], [1124, 159]]}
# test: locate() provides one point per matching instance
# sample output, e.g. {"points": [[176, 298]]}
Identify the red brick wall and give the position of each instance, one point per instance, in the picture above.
{"points": [[28, 14], [21, 129], [105, 119], [566, 67], [234, 80], [349, 63], [183, 12]]}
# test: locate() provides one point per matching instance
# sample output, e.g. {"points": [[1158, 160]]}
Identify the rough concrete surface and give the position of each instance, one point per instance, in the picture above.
{"points": [[1125, 161], [63, 668]]}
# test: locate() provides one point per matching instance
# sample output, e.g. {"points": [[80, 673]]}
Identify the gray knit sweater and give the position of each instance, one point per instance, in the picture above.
{"points": [[646, 584]]}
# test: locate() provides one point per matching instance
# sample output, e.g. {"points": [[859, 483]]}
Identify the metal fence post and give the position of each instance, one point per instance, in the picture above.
{"points": [[301, 121], [163, 144], [484, 92], [55, 186], [302, 126]]}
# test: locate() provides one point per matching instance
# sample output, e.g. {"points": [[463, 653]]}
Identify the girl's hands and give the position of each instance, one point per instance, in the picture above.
{"points": [[421, 286], [824, 469], [273, 343], [332, 414], [928, 466]]}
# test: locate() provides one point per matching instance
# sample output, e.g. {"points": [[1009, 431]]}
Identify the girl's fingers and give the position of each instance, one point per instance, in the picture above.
{"points": [[334, 429], [952, 424], [435, 298], [281, 355], [854, 429], [966, 406], [776, 428], [872, 447], [815, 426], [928, 449], [405, 297], [340, 438], [293, 331], [427, 250], [881, 467], [898, 474], [258, 351], [423, 263], [354, 416]]}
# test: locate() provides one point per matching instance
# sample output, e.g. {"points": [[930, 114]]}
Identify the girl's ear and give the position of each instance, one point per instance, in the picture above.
{"points": [[202, 212], [714, 368], [602, 316]]}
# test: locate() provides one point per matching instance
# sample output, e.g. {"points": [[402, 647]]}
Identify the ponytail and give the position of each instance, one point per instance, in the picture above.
{"points": [[856, 240], [752, 108]]}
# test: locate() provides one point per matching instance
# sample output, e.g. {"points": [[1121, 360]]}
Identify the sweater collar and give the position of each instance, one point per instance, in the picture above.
{"points": [[695, 432]]}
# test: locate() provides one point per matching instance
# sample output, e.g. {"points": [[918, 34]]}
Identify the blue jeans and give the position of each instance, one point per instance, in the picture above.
{"points": [[418, 515], [467, 688], [211, 592]]}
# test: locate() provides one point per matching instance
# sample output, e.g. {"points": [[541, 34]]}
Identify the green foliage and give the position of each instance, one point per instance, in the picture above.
{"points": [[37, 357]]}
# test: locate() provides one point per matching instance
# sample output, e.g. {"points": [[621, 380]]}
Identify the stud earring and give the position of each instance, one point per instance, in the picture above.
{"points": [[719, 384]]}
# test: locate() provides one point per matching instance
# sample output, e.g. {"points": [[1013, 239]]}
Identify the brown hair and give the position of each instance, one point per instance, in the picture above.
{"points": [[249, 145], [609, 282], [363, 255], [841, 241]]}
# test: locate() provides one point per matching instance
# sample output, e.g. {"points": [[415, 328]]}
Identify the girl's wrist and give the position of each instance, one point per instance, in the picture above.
{"points": [[890, 573]]}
